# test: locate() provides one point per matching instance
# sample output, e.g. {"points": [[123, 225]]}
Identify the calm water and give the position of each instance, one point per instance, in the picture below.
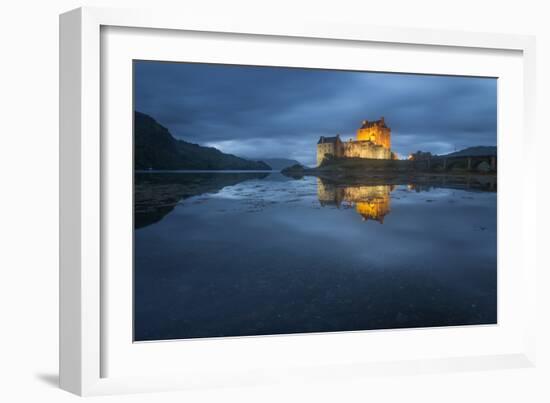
{"points": [[232, 254]]}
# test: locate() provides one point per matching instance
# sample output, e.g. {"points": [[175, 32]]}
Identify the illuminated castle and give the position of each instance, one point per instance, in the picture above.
{"points": [[373, 141]]}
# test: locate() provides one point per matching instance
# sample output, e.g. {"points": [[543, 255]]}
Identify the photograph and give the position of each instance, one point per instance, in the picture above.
{"points": [[276, 200]]}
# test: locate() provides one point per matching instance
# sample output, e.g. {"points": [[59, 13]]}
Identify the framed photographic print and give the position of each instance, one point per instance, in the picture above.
{"points": [[256, 202]]}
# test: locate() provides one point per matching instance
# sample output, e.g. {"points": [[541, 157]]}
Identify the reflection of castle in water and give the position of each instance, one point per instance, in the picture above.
{"points": [[372, 202]]}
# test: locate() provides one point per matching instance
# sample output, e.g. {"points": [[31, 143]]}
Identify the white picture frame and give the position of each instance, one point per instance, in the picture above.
{"points": [[88, 335]]}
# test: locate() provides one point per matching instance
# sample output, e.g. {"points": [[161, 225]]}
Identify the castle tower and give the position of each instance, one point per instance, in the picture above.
{"points": [[376, 132], [328, 146]]}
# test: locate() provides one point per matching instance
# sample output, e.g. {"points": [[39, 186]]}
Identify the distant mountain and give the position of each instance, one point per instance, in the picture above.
{"points": [[280, 163], [474, 152], [156, 148]]}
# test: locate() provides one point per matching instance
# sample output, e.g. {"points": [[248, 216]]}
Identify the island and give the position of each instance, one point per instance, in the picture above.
{"points": [[369, 155]]}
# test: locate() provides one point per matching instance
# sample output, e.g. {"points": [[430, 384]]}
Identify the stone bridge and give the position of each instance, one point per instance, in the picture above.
{"points": [[469, 163]]}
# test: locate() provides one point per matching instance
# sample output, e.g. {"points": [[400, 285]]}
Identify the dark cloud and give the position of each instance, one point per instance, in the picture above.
{"points": [[261, 112]]}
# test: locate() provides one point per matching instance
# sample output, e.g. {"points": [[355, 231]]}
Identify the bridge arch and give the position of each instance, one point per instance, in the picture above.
{"points": [[486, 163], [481, 165], [457, 164]]}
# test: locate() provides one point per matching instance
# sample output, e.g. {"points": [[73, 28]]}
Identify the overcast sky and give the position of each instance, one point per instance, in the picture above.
{"points": [[264, 112]]}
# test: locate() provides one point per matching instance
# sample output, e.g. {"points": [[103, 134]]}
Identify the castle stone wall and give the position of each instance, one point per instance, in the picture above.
{"points": [[323, 149], [365, 149]]}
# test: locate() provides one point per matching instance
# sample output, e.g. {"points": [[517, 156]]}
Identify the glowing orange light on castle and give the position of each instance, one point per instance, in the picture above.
{"points": [[373, 140]]}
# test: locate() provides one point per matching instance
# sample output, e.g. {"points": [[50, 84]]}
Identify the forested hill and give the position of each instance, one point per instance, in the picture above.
{"points": [[156, 148], [474, 152], [280, 163]]}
